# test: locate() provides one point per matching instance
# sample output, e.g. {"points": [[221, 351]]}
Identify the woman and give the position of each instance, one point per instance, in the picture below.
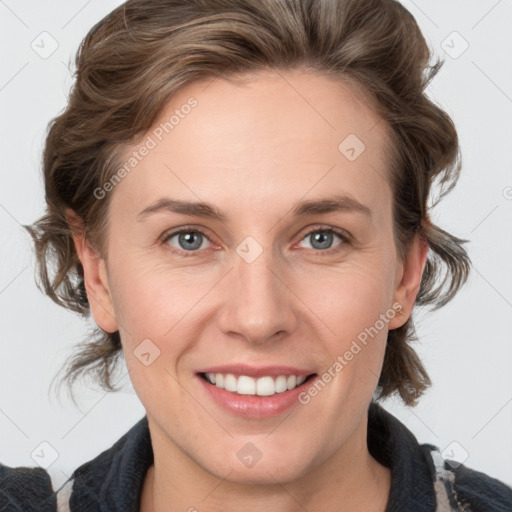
{"points": [[237, 192]]}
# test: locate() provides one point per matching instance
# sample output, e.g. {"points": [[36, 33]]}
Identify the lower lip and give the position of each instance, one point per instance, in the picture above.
{"points": [[253, 406]]}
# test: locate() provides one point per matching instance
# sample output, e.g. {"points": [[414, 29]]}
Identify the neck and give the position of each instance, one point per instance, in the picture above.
{"points": [[350, 480]]}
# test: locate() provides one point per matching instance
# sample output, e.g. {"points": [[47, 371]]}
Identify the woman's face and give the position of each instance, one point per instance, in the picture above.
{"points": [[266, 290]]}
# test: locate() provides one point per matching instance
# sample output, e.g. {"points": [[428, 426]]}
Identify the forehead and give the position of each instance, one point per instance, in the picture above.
{"points": [[259, 139]]}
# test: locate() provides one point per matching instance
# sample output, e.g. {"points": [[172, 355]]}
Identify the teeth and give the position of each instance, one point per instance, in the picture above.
{"points": [[230, 382], [245, 385], [281, 384], [265, 386]]}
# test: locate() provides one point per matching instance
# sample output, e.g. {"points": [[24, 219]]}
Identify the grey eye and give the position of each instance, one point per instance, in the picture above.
{"points": [[321, 239], [188, 240]]}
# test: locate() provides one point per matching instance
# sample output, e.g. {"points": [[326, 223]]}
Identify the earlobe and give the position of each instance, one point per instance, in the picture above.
{"points": [[410, 281], [96, 281]]}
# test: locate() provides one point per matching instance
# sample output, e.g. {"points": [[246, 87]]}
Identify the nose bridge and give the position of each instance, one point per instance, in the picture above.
{"points": [[259, 302]]}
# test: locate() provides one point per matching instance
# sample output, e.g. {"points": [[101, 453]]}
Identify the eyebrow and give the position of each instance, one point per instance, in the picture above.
{"points": [[336, 203]]}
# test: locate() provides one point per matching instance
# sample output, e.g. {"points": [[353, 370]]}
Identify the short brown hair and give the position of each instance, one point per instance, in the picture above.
{"points": [[133, 60]]}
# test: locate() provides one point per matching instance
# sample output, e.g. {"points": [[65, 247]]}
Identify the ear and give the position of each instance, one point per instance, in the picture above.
{"points": [[95, 277], [409, 280]]}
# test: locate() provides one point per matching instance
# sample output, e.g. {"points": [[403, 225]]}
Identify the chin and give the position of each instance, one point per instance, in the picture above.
{"points": [[248, 465], [261, 474]]}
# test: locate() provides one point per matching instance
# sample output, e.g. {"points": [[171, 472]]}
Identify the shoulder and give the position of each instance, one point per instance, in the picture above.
{"points": [[482, 491], [421, 477], [466, 488], [27, 489], [112, 480]]}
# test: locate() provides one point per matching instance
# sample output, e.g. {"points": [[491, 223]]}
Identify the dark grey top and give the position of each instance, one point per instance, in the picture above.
{"points": [[112, 482]]}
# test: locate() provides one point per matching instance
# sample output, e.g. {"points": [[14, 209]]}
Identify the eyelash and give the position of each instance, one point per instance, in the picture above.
{"points": [[344, 238]]}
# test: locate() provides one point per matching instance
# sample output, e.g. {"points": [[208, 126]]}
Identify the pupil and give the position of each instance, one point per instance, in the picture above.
{"points": [[318, 237], [189, 238]]}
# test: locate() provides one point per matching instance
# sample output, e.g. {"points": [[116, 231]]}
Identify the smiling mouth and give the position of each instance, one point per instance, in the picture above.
{"points": [[262, 386]]}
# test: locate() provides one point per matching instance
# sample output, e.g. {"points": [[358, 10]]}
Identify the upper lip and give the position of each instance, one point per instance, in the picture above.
{"points": [[253, 371]]}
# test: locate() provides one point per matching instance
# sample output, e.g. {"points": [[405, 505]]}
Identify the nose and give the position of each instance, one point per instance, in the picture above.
{"points": [[259, 304]]}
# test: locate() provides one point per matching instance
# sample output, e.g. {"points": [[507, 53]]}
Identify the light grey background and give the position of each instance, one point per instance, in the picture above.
{"points": [[467, 346]]}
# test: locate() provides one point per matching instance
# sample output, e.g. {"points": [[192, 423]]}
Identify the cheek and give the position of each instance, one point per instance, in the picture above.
{"points": [[350, 297], [153, 301], [150, 299], [354, 310], [156, 302]]}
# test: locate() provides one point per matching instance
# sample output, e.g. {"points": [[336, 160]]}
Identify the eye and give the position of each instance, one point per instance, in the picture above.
{"points": [[188, 240], [321, 239]]}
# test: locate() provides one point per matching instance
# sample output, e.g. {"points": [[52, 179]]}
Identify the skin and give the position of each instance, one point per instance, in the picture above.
{"points": [[254, 149]]}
